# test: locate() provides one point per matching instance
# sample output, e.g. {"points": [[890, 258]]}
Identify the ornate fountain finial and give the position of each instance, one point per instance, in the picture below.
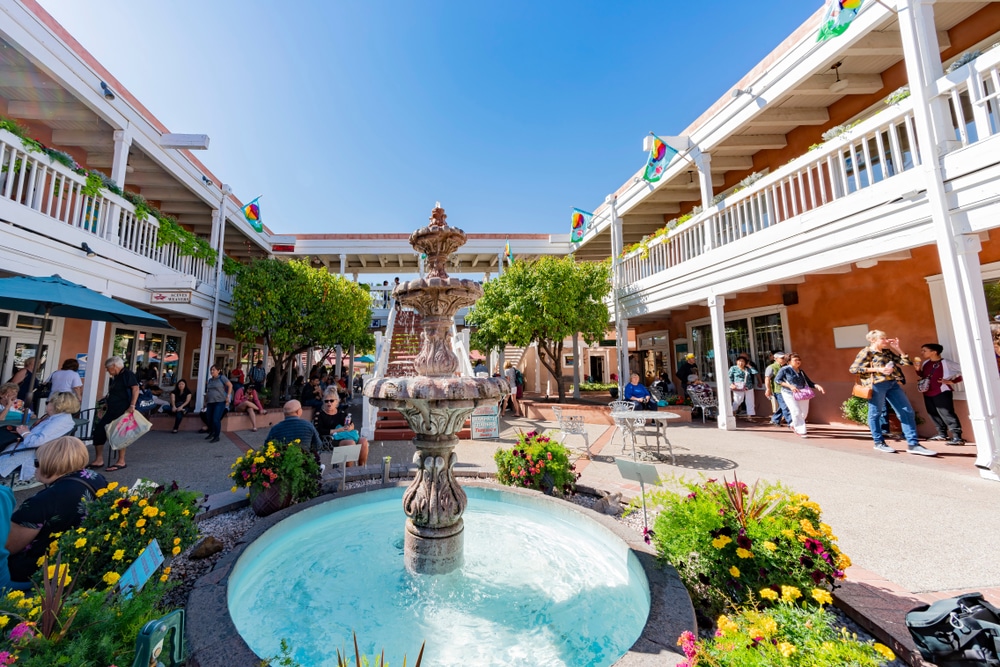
{"points": [[438, 217]]}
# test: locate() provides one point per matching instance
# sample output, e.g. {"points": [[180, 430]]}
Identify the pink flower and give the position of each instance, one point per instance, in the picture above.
{"points": [[20, 631], [7, 658]]}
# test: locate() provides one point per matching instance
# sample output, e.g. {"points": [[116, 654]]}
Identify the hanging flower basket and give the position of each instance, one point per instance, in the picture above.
{"points": [[270, 500]]}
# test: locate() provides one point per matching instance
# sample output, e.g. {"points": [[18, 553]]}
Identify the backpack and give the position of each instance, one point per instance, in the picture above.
{"points": [[958, 632], [145, 404], [518, 378]]}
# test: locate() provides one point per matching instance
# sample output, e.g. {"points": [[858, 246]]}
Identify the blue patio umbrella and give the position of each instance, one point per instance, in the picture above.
{"points": [[365, 359], [51, 296]]}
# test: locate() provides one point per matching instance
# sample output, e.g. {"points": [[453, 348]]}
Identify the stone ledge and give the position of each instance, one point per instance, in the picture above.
{"points": [[882, 613]]}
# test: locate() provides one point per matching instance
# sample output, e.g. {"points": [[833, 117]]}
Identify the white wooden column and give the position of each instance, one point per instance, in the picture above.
{"points": [[576, 365], [704, 163], [205, 361], [717, 312], [958, 248], [343, 264], [621, 321], [93, 382], [119, 162]]}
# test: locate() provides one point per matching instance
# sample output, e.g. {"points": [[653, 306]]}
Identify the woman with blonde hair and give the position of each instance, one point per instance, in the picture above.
{"points": [[8, 396], [62, 467], [58, 421], [879, 367]]}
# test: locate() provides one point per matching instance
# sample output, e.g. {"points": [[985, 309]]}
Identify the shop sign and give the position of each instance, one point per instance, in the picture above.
{"points": [[485, 422], [170, 297]]}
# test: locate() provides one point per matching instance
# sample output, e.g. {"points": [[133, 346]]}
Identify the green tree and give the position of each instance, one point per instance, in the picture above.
{"points": [[543, 301], [293, 307]]}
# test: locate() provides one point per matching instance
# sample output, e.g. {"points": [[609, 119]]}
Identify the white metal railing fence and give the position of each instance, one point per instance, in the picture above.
{"points": [[52, 189], [873, 151], [381, 295], [973, 95], [369, 413]]}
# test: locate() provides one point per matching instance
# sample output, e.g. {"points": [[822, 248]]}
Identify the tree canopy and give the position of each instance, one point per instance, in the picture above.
{"points": [[543, 301], [293, 307]]}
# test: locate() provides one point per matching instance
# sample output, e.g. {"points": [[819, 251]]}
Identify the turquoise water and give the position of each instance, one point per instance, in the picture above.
{"points": [[540, 585]]}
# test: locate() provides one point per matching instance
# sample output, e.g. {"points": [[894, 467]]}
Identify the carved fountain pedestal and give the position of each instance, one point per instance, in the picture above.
{"points": [[435, 403]]}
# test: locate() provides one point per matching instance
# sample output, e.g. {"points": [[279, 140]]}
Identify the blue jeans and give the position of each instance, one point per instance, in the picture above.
{"points": [[215, 413], [782, 411], [890, 392]]}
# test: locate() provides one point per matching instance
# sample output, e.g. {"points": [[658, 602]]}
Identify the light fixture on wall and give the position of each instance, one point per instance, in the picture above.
{"points": [[840, 84], [741, 91], [87, 249], [206, 180], [108, 93]]}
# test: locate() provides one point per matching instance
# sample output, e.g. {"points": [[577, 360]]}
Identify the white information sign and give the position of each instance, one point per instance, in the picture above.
{"points": [[486, 422], [170, 297]]}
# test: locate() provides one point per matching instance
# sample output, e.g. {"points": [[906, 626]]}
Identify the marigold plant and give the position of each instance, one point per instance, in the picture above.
{"points": [[287, 465], [788, 633], [537, 462], [728, 540], [120, 523]]}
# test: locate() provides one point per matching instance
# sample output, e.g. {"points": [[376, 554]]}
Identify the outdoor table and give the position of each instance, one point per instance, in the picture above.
{"points": [[628, 419]]}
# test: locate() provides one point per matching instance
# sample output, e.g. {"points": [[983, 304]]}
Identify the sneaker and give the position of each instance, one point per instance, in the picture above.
{"points": [[937, 438], [920, 450], [882, 447], [25, 484], [955, 442]]}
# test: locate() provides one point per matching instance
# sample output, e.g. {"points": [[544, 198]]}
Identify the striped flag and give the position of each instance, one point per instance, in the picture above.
{"points": [[660, 156], [507, 251], [581, 222], [839, 14], [252, 213]]}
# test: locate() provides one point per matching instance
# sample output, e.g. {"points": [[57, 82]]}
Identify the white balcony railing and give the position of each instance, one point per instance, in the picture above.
{"points": [[33, 180], [973, 94], [873, 151]]}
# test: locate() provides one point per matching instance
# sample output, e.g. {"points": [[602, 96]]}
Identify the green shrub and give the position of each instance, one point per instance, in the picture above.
{"points": [[728, 540], [597, 386], [855, 410], [785, 634], [536, 462]]}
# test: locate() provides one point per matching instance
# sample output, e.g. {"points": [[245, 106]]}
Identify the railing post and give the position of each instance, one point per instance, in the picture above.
{"points": [[980, 115]]}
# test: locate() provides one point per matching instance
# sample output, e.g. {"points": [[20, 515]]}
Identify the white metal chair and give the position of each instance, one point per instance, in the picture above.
{"points": [[620, 424], [703, 398], [572, 425]]}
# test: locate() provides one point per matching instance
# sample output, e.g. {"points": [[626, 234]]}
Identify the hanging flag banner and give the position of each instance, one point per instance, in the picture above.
{"points": [[839, 14], [507, 251], [660, 156], [581, 222], [252, 213]]}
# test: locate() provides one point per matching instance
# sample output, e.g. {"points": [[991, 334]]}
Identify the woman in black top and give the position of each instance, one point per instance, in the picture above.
{"points": [[123, 392], [330, 421], [62, 467], [181, 399]]}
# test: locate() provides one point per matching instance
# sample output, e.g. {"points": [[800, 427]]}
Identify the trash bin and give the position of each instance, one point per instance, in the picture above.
{"points": [[614, 393]]}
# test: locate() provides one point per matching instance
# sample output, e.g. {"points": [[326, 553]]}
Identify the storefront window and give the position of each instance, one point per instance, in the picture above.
{"points": [[767, 338], [124, 346], [30, 323], [152, 355]]}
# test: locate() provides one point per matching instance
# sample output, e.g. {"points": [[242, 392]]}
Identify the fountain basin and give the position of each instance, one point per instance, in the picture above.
{"points": [[563, 616]]}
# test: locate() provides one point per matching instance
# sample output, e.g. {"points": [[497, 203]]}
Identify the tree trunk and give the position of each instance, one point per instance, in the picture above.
{"points": [[555, 368]]}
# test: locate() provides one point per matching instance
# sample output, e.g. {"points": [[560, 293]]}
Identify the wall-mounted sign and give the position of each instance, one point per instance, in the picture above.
{"points": [[170, 297]]}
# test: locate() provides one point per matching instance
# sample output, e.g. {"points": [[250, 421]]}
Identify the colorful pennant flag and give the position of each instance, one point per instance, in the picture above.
{"points": [[581, 222], [507, 251], [252, 213], [659, 157], [839, 14]]}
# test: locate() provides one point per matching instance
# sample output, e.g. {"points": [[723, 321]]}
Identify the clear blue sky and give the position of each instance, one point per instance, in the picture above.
{"points": [[358, 116]]}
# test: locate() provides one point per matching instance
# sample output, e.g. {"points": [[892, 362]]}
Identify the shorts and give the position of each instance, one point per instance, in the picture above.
{"points": [[346, 435]]}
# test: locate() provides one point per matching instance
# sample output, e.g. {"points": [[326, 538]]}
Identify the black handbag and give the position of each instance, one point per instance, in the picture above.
{"points": [[8, 436], [963, 631]]}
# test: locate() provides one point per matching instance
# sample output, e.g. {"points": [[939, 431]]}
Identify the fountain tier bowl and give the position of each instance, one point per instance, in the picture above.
{"points": [[544, 583]]}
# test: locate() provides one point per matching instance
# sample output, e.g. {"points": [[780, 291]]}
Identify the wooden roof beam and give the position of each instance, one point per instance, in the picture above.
{"points": [[49, 112], [856, 84], [783, 116]]}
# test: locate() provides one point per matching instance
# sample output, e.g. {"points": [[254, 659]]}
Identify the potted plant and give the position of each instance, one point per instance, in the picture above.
{"points": [[277, 475], [537, 462]]}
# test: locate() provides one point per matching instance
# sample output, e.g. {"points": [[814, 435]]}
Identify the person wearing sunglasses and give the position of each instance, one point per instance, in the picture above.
{"points": [[336, 424]]}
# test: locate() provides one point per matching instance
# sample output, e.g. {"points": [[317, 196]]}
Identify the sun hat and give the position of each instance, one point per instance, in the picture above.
{"points": [[779, 355], [689, 356]]}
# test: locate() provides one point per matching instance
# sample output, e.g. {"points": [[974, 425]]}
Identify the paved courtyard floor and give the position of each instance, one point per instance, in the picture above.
{"points": [[910, 524]]}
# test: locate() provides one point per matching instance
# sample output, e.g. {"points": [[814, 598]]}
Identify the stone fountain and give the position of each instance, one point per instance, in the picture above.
{"points": [[435, 403]]}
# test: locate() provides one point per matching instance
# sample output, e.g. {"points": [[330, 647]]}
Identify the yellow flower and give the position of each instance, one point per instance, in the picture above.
{"points": [[15, 595], [822, 596], [100, 492], [743, 553], [111, 578], [790, 593], [768, 594], [134, 499], [25, 603], [140, 523], [843, 562], [34, 611], [118, 555], [167, 570], [123, 524], [771, 546], [786, 649], [53, 548], [881, 649], [726, 625], [259, 459], [114, 517], [721, 541], [768, 626], [124, 511], [177, 540], [4, 621], [790, 534], [80, 543], [175, 551], [186, 512], [112, 486], [735, 571], [143, 502], [63, 573], [163, 577], [233, 490], [150, 511], [81, 531]]}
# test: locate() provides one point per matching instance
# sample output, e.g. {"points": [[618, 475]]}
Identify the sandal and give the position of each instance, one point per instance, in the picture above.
{"points": [[115, 468], [253, 430]]}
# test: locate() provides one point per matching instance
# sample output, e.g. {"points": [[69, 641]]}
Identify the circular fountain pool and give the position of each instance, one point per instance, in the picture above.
{"points": [[541, 584]]}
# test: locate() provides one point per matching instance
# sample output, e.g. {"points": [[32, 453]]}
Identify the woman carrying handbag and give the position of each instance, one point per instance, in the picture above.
{"points": [[880, 368], [797, 390]]}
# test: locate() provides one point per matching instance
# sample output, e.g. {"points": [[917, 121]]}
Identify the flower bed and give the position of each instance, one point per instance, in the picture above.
{"points": [[285, 465]]}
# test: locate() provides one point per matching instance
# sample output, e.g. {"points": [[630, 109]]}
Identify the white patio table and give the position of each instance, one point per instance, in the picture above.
{"points": [[661, 417]]}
